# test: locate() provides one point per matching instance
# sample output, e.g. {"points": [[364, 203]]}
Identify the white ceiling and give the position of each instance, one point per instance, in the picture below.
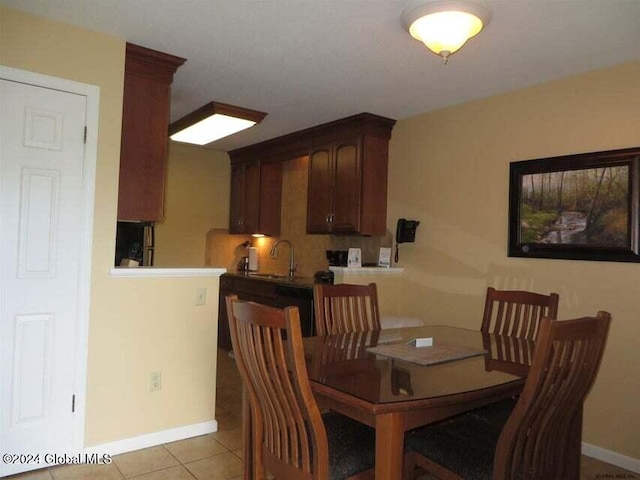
{"points": [[307, 62]]}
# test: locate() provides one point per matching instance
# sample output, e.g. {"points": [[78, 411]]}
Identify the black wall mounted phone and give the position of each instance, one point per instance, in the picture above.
{"points": [[405, 232]]}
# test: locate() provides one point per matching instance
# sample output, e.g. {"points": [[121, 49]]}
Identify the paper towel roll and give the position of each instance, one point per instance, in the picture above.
{"points": [[253, 259]]}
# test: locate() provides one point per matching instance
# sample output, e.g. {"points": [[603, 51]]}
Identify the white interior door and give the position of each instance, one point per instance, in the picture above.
{"points": [[42, 212]]}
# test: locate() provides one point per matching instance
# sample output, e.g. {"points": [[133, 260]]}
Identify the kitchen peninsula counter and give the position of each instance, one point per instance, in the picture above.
{"points": [[151, 272]]}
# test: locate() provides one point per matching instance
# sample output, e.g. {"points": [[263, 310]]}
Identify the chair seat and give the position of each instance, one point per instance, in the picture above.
{"points": [[495, 414], [351, 446], [464, 444]]}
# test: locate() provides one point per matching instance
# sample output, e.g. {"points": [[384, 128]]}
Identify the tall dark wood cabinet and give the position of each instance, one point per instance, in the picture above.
{"points": [[348, 179], [334, 203], [145, 122]]}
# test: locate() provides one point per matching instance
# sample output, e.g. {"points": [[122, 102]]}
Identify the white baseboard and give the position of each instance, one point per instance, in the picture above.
{"points": [[614, 458], [188, 431], [153, 439]]}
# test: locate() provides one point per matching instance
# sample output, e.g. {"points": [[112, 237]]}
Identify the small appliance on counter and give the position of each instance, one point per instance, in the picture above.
{"points": [[324, 277], [337, 258]]}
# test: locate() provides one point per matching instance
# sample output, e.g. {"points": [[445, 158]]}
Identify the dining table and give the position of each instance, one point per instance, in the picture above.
{"points": [[382, 379]]}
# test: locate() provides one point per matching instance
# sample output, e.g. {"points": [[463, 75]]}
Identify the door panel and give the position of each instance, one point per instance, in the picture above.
{"points": [[270, 198], [348, 187], [41, 212], [319, 196], [251, 197], [236, 207]]}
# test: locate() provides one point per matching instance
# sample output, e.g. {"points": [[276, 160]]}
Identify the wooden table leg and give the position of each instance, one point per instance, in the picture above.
{"points": [[247, 451], [389, 446]]}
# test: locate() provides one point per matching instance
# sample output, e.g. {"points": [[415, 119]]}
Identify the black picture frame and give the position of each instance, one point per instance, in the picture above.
{"points": [[590, 212]]}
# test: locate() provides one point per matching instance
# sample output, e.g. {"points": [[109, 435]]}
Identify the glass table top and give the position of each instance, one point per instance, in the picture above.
{"points": [[343, 363]]}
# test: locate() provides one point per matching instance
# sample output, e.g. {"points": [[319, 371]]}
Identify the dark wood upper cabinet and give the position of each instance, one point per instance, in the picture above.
{"points": [[270, 198], [256, 191], [348, 162], [145, 120], [321, 175], [334, 202]]}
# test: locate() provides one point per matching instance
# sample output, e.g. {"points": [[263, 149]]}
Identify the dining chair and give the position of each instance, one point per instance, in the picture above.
{"points": [[517, 313], [290, 438], [540, 439], [345, 308]]}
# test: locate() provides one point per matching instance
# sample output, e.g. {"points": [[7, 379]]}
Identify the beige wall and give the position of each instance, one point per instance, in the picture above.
{"points": [[136, 325], [450, 169], [196, 200]]}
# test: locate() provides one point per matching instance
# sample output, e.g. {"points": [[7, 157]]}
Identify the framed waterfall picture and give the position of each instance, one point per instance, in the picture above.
{"points": [[576, 207]]}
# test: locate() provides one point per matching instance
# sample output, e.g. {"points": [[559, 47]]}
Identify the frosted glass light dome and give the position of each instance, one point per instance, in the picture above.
{"points": [[445, 26]]}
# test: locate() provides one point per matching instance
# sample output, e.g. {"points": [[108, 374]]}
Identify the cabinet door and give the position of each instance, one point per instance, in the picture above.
{"points": [[145, 117], [245, 191], [347, 186], [251, 197], [320, 193], [270, 198], [236, 207]]}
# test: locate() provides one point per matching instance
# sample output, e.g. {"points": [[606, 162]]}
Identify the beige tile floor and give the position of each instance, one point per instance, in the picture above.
{"points": [[218, 456]]}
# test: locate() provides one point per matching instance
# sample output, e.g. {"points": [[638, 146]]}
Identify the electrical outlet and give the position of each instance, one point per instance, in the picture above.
{"points": [[155, 381], [201, 296]]}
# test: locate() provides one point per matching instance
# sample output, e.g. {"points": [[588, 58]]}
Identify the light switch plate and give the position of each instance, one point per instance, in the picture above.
{"points": [[201, 296]]}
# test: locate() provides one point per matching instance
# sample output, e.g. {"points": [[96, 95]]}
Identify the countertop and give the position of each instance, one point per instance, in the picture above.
{"points": [[307, 282], [302, 282]]}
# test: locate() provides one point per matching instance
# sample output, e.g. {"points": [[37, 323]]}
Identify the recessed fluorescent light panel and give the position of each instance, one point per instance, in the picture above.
{"points": [[212, 122]]}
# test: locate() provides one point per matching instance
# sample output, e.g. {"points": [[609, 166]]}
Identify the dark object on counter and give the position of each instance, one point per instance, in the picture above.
{"points": [[337, 258], [134, 240], [243, 264], [405, 233], [324, 277]]}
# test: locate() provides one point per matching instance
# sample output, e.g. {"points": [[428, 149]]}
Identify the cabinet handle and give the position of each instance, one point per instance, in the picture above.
{"points": [[327, 217]]}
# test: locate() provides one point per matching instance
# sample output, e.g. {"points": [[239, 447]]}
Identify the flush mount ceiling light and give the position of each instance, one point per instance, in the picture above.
{"points": [[212, 122], [445, 26]]}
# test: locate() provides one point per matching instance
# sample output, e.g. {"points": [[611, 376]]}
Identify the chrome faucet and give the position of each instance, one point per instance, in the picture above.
{"points": [[292, 260]]}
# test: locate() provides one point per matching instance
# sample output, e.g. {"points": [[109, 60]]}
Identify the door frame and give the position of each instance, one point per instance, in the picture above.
{"points": [[92, 94]]}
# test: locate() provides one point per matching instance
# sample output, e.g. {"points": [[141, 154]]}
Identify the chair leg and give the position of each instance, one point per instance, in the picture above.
{"points": [[409, 466]]}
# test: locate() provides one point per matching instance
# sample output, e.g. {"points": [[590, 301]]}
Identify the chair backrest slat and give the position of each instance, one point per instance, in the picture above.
{"points": [[346, 308], [567, 356]]}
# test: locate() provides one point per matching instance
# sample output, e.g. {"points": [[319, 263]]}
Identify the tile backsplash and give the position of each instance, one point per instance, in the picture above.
{"points": [[224, 250]]}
